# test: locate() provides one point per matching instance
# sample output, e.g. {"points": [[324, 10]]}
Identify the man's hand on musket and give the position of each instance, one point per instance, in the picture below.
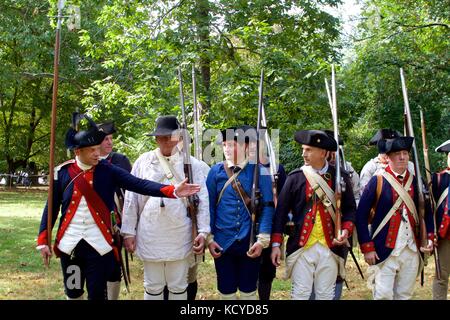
{"points": [[255, 250], [342, 239], [275, 256], [130, 243], [46, 254], [185, 189], [199, 244], [371, 258], [428, 248]]}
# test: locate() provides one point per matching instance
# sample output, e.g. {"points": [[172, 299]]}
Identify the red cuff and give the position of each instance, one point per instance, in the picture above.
{"points": [[349, 226], [367, 247], [168, 191], [431, 236], [42, 239], [276, 237]]}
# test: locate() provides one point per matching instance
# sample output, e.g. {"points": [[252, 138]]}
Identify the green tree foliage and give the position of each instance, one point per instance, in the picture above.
{"points": [[413, 35], [228, 42], [27, 37]]}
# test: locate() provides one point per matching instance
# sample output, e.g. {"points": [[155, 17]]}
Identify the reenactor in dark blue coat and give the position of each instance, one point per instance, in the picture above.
{"points": [[440, 187], [120, 160], [314, 257], [268, 270], [388, 224], [84, 192]]}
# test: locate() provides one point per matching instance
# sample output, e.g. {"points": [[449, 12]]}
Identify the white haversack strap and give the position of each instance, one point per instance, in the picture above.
{"points": [[403, 192], [322, 189], [441, 199]]}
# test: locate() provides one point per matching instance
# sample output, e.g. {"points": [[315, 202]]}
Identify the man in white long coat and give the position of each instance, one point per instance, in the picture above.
{"points": [[159, 230]]}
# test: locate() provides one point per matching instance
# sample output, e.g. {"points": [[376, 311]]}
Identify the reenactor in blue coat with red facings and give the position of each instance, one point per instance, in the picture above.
{"points": [[388, 226], [440, 187], [314, 257], [84, 192]]}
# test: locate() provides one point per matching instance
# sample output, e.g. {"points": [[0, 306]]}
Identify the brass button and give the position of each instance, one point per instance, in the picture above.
{"points": [[68, 211], [107, 231], [73, 202], [90, 182], [103, 222]]}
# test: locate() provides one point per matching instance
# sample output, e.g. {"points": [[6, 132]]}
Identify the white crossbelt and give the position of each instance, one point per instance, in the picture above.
{"points": [[322, 189], [169, 171], [403, 197]]}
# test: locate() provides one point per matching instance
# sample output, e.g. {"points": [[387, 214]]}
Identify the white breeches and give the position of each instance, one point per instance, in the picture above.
{"points": [[316, 265], [396, 277], [157, 275]]}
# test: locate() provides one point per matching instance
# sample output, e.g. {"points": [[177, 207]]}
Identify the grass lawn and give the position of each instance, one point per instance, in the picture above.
{"points": [[23, 276]]}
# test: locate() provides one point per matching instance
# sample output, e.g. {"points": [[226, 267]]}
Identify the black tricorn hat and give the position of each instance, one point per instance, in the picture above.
{"points": [[316, 138], [444, 147], [384, 134], [396, 144], [242, 133], [165, 126], [84, 138], [107, 127], [331, 134]]}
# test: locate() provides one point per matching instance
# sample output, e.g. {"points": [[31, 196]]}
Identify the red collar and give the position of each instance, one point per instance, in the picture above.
{"points": [[389, 170]]}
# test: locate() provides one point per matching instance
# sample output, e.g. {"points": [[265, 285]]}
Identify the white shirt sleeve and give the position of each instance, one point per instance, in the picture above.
{"points": [[203, 218], [131, 206]]}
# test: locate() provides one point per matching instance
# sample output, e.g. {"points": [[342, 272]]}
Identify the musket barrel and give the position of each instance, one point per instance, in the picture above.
{"points": [[338, 186], [410, 131], [255, 184], [197, 146]]}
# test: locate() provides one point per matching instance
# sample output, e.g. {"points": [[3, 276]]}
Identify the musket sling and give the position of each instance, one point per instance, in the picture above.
{"points": [[237, 186]]}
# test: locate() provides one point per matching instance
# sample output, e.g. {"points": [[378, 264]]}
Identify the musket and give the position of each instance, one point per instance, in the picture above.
{"points": [[115, 231], [272, 160], [197, 145], [428, 194], [193, 201], [338, 182], [341, 149], [53, 126], [344, 165], [410, 131], [256, 192]]}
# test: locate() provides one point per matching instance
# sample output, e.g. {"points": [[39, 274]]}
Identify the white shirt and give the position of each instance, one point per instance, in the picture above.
{"points": [[163, 233]]}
